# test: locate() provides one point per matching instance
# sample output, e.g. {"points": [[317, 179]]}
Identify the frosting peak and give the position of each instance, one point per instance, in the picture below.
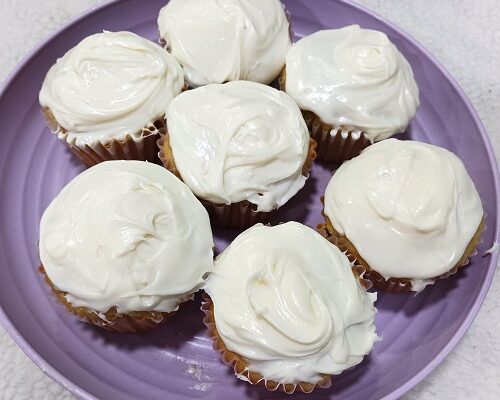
{"points": [[415, 198], [126, 234], [287, 300], [110, 85], [353, 78], [370, 59], [226, 40]]}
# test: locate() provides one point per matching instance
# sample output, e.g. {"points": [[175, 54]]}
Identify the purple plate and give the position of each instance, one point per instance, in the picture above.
{"points": [[176, 361]]}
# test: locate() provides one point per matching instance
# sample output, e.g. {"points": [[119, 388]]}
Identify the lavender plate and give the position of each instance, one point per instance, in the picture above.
{"points": [[177, 360]]}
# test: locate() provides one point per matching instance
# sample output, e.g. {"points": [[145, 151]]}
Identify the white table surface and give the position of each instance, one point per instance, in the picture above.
{"points": [[463, 34]]}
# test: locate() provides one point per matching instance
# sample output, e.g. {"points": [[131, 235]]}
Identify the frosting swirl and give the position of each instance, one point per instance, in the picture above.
{"points": [[239, 141], [286, 300], [353, 78], [110, 86], [414, 198], [126, 234], [226, 40]]}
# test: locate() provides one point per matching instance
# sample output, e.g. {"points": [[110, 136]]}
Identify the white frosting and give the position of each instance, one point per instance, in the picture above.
{"points": [[226, 40], [353, 78], [110, 86], [239, 141], [286, 299], [409, 208], [127, 234]]}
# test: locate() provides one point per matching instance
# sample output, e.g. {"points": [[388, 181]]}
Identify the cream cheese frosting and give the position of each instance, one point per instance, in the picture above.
{"points": [[226, 40], [239, 141], [110, 86], [355, 79], [126, 234], [288, 302], [409, 208]]}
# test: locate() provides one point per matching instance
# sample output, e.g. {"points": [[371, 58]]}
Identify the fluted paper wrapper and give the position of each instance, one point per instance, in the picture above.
{"points": [[141, 146], [240, 365], [133, 322], [239, 215], [335, 144], [392, 285]]}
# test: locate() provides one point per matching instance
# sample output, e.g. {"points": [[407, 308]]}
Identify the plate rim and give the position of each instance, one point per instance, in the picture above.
{"points": [[68, 384]]}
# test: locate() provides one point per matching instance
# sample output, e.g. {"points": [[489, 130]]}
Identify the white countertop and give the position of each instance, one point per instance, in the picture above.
{"points": [[463, 35]]}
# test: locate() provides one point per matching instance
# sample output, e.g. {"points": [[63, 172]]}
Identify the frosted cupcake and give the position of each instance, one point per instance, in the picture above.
{"points": [[106, 98], [408, 212], [243, 148], [286, 310], [354, 88], [228, 40], [124, 243]]}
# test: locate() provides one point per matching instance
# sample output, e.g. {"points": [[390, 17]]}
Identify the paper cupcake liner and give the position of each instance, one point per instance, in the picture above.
{"points": [[240, 365], [239, 215], [358, 270], [335, 144], [134, 322], [393, 285], [141, 146]]}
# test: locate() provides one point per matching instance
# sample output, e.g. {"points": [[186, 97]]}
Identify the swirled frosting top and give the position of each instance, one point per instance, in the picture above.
{"points": [[110, 86], [226, 40], [239, 141], [353, 78], [409, 208], [287, 301], [126, 234]]}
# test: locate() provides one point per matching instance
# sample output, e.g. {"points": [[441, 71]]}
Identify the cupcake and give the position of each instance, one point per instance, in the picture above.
{"points": [[408, 212], [228, 40], [285, 309], [242, 147], [106, 98], [124, 243], [354, 88]]}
